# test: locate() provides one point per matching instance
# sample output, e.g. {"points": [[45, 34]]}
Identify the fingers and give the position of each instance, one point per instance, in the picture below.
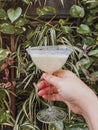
{"points": [[53, 97], [51, 79], [43, 92], [43, 84], [47, 91]]}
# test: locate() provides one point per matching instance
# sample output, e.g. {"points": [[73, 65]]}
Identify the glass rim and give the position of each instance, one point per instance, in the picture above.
{"points": [[51, 48]]}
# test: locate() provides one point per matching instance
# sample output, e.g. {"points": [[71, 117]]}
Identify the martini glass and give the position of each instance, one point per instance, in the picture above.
{"points": [[50, 59]]}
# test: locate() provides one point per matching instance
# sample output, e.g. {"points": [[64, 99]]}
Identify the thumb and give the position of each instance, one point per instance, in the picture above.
{"points": [[51, 79]]}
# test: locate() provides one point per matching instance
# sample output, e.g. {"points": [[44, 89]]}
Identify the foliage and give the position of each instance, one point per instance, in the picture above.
{"points": [[19, 30]]}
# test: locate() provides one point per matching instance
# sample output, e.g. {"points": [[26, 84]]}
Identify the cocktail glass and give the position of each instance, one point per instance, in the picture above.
{"points": [[50, 59]]}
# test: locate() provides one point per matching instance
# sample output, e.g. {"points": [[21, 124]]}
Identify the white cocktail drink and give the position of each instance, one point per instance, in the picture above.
{"points": [[50, 59], [49, 63]]}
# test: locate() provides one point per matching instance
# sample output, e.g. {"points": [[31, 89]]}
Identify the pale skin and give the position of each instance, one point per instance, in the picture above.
{"points": [[67, 87]]}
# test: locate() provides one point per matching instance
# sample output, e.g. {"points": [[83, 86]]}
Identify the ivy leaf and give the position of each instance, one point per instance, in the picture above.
{"points": [[77, 11], [66, 29], [83, 29], [7, 28], [45, 10], [92, 5], [14, 14], [90, 19], [21, 22], [3, 14], [88, 40], [4, 115], [20, 30]]}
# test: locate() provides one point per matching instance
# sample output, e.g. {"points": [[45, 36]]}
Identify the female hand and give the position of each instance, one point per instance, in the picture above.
{"points": [[67, 87]]}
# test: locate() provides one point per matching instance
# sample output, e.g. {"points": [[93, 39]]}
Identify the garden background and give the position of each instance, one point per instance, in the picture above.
{"points": [[25, 23]]}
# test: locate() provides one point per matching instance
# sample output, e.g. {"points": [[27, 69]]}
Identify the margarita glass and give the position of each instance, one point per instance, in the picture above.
{"points": [[50, 59]]}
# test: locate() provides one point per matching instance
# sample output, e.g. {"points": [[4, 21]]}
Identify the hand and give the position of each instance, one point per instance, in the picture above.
{"points": [[67, 87]]}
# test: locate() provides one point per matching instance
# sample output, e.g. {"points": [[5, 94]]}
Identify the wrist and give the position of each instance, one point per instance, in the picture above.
{"points": [[90, 112]]}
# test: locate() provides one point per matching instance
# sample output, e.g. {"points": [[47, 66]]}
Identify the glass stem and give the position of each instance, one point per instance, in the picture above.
{"points": [[49, 101]]}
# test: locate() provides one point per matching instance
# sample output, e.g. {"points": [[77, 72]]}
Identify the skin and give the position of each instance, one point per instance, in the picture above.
{"points": [[67, 87]]}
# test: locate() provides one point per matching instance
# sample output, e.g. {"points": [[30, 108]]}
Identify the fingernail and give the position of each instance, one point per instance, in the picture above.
{"points": [[44, 76], [39, 93]]}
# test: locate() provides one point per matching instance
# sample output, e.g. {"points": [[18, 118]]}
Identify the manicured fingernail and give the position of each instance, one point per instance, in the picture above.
{"points": [[44, 76], [39, 93]]}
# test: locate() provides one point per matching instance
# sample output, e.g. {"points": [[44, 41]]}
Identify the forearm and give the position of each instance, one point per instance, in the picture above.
{"points": [[91, 113]]}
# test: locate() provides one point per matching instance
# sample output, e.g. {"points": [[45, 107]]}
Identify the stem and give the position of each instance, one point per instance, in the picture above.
{"points": [[27, 9], [49, 101]]}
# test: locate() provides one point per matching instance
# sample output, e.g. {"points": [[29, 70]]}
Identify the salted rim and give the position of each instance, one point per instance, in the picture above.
{"points": [[50, 50]]}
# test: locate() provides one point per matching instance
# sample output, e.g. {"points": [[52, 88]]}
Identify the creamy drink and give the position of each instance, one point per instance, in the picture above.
{"points": [[49, 63]]}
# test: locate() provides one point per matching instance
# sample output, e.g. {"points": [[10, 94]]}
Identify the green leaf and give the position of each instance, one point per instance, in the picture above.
{"points": [[62, 22], [3, 53], [96, 26], [83, 29], [53, 36], [7, 28], [40, 12], [92, 5], [56, 126], [44, 41], [88, 40], [3, 116], [21, 22], [45, 10], [29, 34], [3, 14], [14, 14], [77, 11], [27, 43], [41, 34], [27, 1], [85, 62], [20, 30], [66, 29], [93, 53], [78, 126], [90, 19]]}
